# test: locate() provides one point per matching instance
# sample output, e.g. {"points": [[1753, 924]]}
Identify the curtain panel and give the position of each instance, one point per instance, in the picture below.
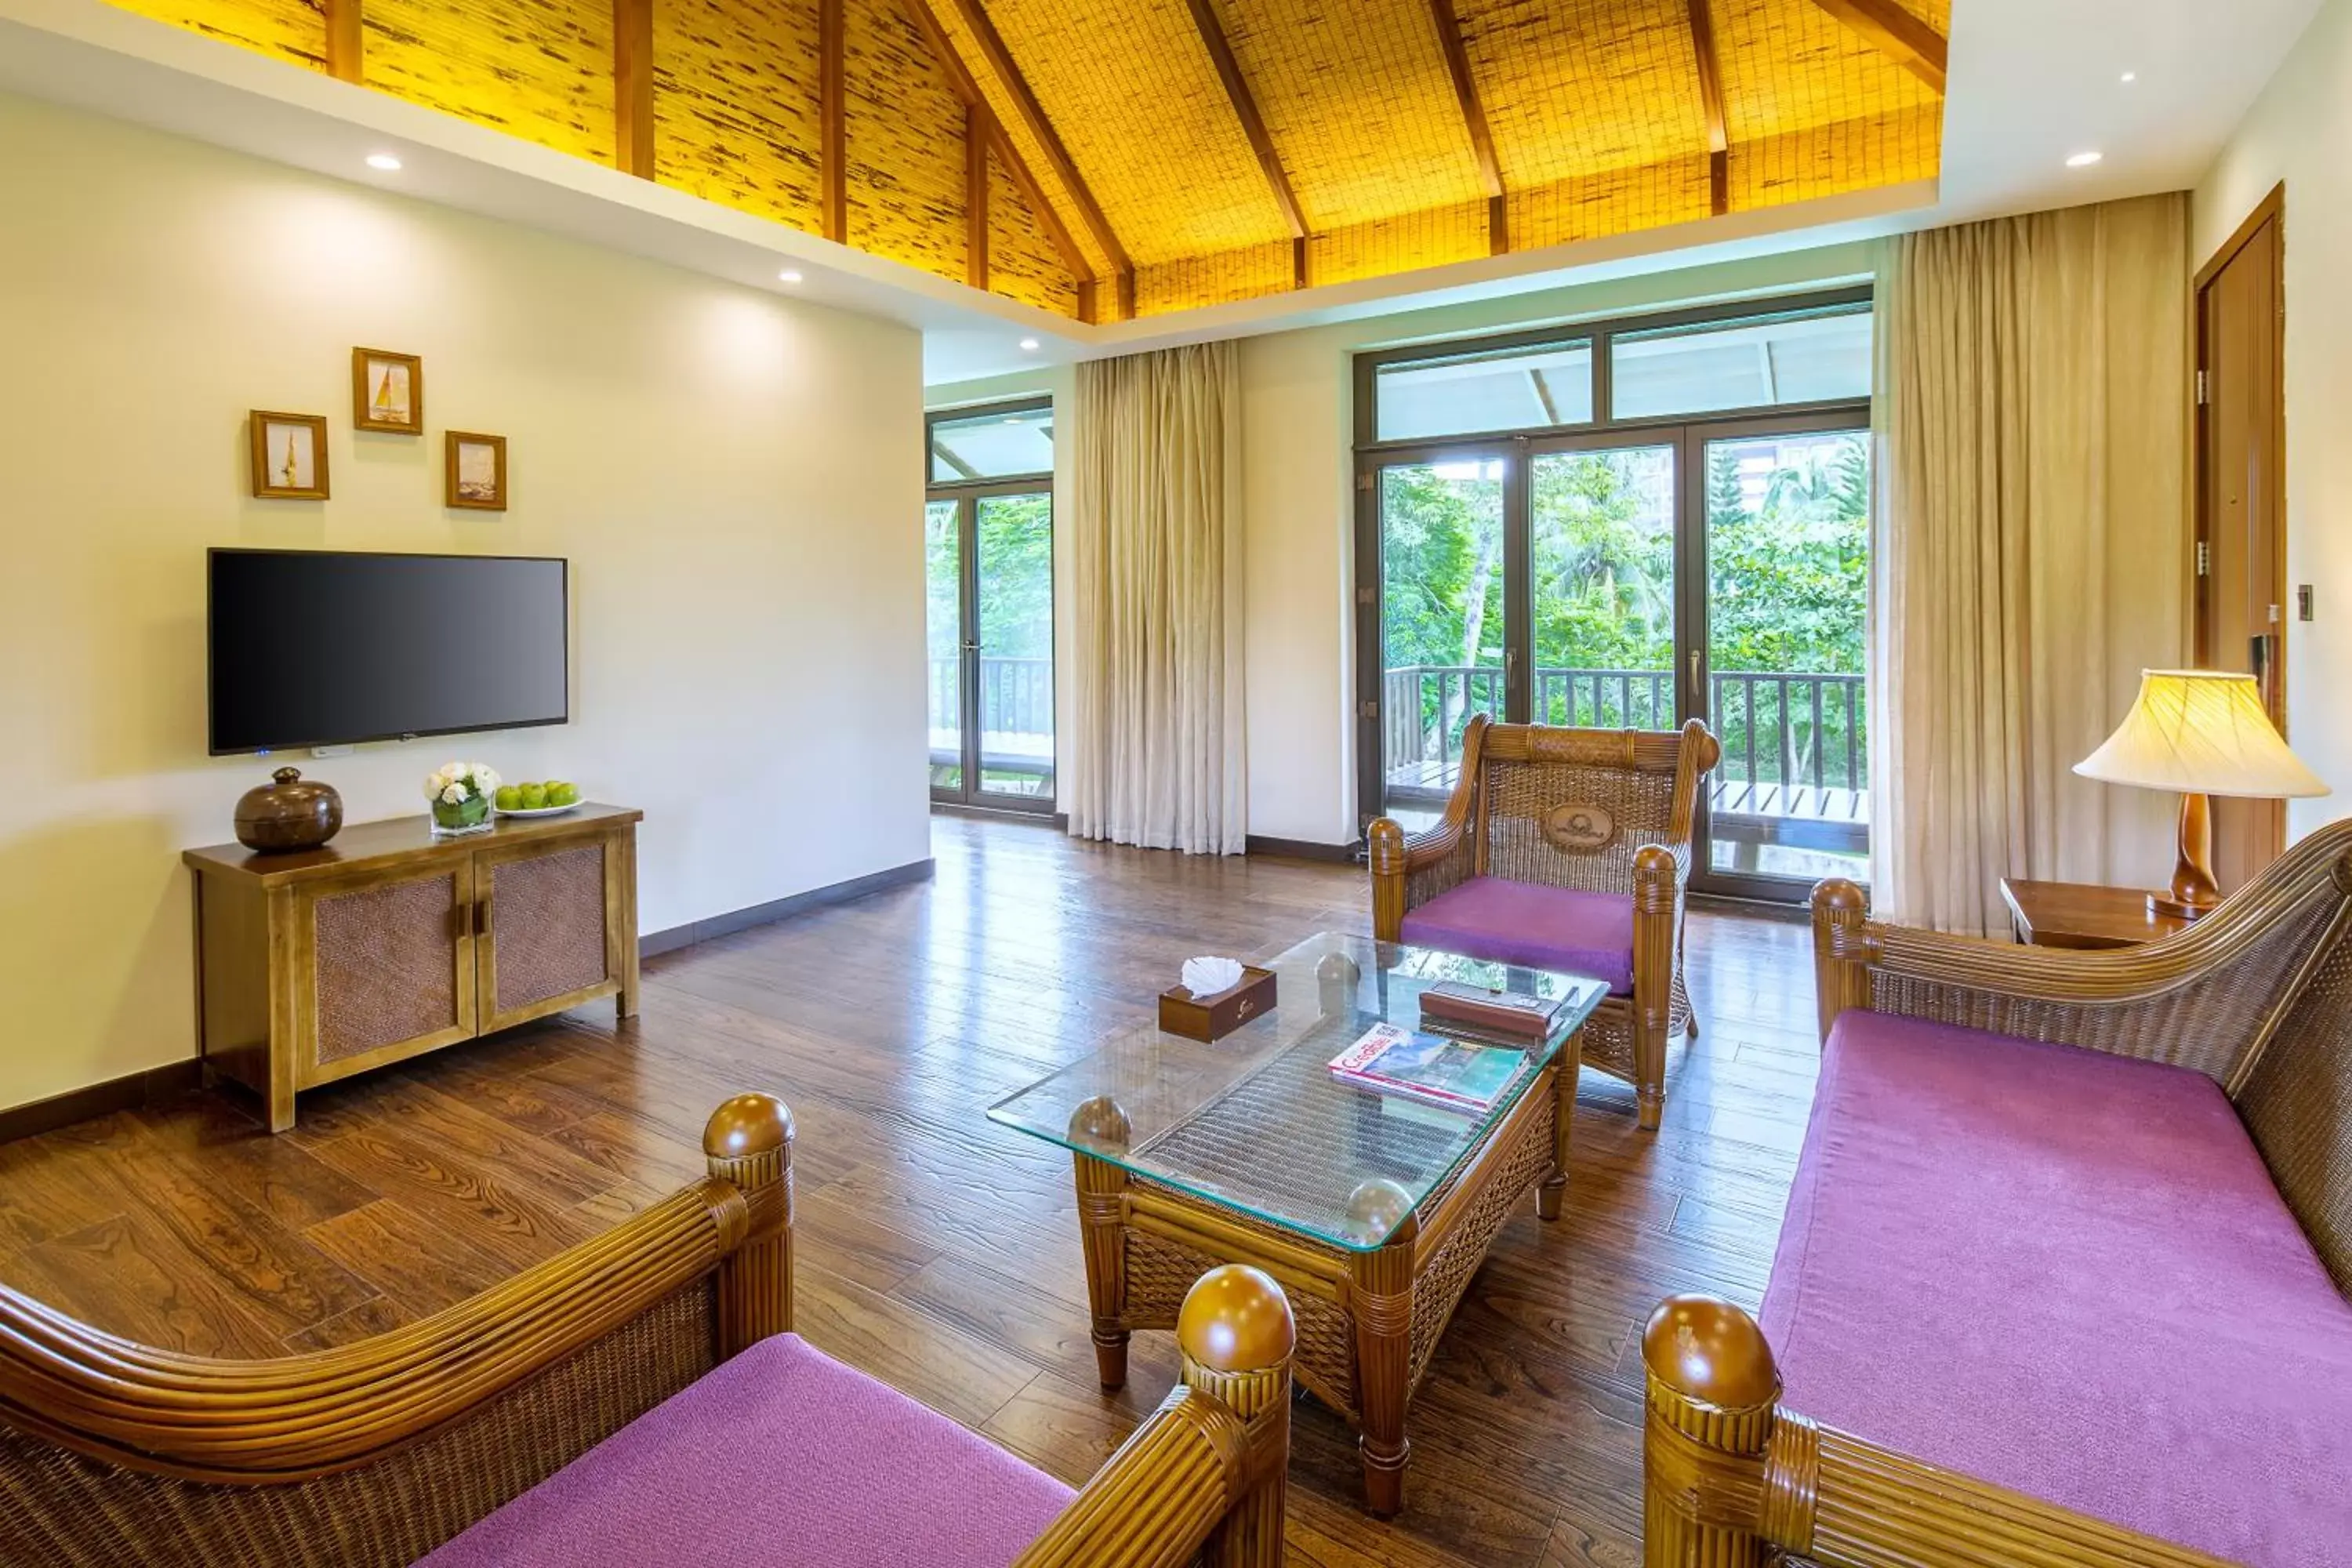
{"points": [[1158, 755], [2029, 552]]}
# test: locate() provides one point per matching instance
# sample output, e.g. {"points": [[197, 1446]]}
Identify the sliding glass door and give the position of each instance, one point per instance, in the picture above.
{"points": [[1691, 557], [988, 529]]}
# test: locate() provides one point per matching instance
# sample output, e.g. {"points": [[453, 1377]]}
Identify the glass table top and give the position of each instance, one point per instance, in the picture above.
{"points": [[1256, 1122]]}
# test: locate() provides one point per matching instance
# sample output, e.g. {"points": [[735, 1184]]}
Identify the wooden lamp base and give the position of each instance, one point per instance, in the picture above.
{"points": [[2193, 893]]}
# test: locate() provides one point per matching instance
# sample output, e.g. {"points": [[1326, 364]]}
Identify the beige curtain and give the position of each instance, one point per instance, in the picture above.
{"points": [[1158, 755], [2031, 526]]}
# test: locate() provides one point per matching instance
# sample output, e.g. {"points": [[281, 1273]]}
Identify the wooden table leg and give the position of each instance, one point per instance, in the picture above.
{"points": [[1567, 1068], [1382, 1305], [1102, 1231]]}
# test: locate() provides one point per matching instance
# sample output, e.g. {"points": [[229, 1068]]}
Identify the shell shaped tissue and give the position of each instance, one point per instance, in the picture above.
{"points": [[1208, 976]]}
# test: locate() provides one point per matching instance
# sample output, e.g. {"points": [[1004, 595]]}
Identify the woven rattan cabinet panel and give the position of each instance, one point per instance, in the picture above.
{"points": [[546, 943], [392, 969], [390, 942]]}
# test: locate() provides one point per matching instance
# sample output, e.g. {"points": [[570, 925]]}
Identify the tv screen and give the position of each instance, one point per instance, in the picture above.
{"points": [[319, 648]]}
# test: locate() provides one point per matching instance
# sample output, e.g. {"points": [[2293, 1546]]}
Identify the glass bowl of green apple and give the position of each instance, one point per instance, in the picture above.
{"points": [[550, 797]]}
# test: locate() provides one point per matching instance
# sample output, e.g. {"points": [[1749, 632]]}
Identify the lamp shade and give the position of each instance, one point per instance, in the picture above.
{"points": [[2200, 732]]}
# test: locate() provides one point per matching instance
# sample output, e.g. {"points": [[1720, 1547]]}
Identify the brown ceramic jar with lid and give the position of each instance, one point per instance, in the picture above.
{"points": [[288, 813]]}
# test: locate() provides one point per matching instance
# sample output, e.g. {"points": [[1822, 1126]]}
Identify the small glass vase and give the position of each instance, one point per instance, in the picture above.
{"points": [[471, 814]]}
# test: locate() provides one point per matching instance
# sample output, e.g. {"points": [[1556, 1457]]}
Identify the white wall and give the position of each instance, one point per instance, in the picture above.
{"points": [[1298, 484], [727, 471], [2298, 132]]}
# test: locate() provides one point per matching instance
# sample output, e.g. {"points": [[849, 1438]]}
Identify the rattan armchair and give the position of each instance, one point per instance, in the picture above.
{"points": [[2257, 996], [114, 1454], [1592, 811]]}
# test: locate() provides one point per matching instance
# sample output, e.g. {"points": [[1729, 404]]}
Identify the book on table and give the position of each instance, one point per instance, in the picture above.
{"points": [[1457, 1074]]}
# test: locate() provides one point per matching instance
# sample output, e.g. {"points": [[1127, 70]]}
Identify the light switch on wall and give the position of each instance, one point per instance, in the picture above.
{"points": [[2302, 602]]}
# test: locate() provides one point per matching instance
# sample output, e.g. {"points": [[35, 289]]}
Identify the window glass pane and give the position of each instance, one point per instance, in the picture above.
{"points": [[1443, 603], [1014, 536], [1517, 389], [997, 446], [1805, 357], [943, 619]]}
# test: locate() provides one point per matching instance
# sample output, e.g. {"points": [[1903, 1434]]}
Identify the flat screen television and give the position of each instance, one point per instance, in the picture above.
{"points": [[314, 648]]}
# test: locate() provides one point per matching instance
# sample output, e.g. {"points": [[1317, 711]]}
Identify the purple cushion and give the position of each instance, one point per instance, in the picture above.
{"points": [[1529, 923], [779, 1458], [2068, 1274]]}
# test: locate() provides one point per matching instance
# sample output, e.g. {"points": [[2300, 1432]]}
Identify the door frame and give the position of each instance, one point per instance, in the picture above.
{"points": [[1688, 437], [967, 495]]}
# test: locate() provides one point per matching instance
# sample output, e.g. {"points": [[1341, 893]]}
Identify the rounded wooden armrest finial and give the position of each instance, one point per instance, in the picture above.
{"points": [[1836, 893], [746, 1125], [1707, 1350], [1235, 1319]]}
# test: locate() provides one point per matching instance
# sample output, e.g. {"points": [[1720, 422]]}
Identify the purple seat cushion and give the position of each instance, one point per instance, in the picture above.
{"points": [[1529, 923], [2068, 1274], [781, 1457]]}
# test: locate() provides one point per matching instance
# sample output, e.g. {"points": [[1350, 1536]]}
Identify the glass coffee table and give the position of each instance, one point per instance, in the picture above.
{"points": [[1373, 1210]]}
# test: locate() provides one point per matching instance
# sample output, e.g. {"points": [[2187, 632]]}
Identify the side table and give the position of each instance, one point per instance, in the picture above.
{"points": [[2082, 914]]}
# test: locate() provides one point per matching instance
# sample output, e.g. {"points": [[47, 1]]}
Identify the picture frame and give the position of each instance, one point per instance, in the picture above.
{"points": [[387, 392], [289, 455], [475, 471]]}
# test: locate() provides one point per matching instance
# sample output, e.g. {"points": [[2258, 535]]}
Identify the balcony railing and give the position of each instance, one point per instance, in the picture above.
{"points": [[1016, 714], [1795, 766]]}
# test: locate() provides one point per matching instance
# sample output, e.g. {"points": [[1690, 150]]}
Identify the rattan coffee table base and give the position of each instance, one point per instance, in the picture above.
{"points": [[1368, 1321]]}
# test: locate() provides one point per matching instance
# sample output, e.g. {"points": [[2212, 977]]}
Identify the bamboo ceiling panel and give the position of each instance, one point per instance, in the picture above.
{"points": [[904, 126], [1577, 88], [289, 30], [1593, 107], [539, 69], [1022, 262], [1358, 102], [1147, 122], [735, 111]]}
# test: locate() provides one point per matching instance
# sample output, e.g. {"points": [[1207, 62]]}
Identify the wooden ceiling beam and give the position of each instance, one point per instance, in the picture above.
{"points": [[832, 119], [1473, 119], [976, 138], [1246, 110], [633, 86], [967, 87], [343, 39], [1896, 34], [998, 59], [1710, 98]]}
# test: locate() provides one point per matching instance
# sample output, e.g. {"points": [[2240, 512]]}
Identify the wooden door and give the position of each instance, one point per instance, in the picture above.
{"points": [[392, 957], [2240, 597], [548, 932]]}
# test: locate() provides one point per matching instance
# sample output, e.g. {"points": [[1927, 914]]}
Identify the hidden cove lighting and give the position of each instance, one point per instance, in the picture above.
{"points": [[1029, 345], [2083, 159], [384, 160]]}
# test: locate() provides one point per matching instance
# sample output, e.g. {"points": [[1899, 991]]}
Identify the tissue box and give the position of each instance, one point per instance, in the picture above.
{"points": [[1213, 1017]]}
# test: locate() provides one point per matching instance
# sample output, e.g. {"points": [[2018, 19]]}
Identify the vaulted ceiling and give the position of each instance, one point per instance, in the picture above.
{"points": [[1107, 158]]}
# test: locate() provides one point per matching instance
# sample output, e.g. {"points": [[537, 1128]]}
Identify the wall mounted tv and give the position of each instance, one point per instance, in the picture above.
{"points": [[319, 648]]}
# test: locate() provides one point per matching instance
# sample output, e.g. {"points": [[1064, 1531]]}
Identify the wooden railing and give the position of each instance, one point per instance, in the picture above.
{"points": [[1790, 728]]}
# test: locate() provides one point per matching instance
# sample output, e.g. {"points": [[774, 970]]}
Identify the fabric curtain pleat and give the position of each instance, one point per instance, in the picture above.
{"points": [[1158, 758], [2028, 549]]}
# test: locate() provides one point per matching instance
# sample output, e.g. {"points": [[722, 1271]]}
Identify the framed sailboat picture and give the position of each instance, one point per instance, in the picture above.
{"points": [[387, 392], [289, 456], [477, 472]]}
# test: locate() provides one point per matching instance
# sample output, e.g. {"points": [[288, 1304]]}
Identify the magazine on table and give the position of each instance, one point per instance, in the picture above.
{"points": [[1457, 1074]]}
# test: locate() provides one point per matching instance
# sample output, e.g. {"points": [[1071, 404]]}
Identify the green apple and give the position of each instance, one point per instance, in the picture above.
{"points": [[561, 792], [510, 797], [534, 796]]}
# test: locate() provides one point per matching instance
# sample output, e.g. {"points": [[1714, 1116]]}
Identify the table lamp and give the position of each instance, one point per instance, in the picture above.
{"points": [[2203, 733]]}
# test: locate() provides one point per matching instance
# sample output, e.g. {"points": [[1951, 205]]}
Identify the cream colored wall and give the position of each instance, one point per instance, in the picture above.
{"points": [[2298, 132], [727, 471], [1298, 484]]}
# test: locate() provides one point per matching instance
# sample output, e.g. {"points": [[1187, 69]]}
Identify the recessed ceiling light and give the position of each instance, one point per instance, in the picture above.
{"points": [[1029, 345], [789, 275], [2130, 76], [2083, 159], [384, 160]]}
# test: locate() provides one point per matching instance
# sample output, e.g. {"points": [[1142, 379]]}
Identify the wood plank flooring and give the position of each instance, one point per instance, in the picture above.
{"points": [[937, 1251]]}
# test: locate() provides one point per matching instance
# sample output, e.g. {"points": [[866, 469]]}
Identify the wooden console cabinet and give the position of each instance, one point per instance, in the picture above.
{"points": [[390, 942]]}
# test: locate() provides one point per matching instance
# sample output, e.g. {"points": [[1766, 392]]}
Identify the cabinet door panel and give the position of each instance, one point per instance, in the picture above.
{"points": [[395, 970], [546, 946]]}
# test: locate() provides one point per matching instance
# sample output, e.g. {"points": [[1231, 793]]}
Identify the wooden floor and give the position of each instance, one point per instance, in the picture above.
{"points": [[936, 1250]]}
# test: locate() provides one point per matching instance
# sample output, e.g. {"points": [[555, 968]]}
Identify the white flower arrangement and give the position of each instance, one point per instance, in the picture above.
{"points": [[458, 783]]}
